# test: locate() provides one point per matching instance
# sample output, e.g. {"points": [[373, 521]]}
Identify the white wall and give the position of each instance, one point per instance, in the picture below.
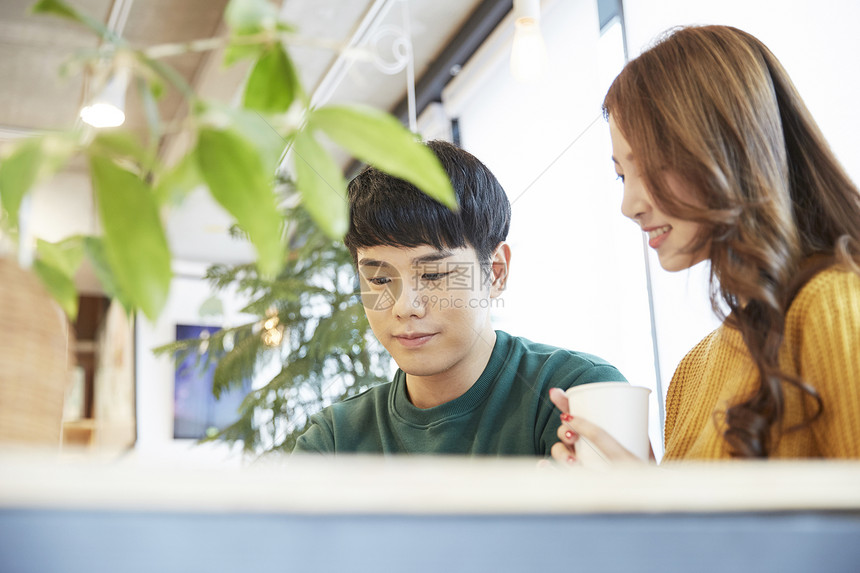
{"points": [[817, 42], [155, 374]]}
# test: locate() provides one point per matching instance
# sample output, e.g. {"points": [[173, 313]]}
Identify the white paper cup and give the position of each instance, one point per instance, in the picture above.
{"points": [[619, 408]]}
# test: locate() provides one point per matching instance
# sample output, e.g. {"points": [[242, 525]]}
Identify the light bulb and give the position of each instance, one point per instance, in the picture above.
{"points": [[273, 336], [101, 114], [528, 54], [107, 109]]}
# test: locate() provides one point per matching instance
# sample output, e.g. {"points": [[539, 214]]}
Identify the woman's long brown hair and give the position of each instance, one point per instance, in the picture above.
{"points": [[713, 106]]}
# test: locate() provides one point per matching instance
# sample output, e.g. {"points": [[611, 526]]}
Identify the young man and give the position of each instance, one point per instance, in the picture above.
{"points": [[428, 278]]}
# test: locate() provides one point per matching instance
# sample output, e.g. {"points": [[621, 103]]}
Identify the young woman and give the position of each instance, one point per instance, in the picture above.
{"points": [[721, 160]]}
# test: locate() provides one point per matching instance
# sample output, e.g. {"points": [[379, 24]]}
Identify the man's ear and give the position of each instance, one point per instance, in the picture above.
{"points": [[500, 268]]}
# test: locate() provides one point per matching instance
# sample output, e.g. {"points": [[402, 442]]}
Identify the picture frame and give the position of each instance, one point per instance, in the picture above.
{"points": [[197, 414]]}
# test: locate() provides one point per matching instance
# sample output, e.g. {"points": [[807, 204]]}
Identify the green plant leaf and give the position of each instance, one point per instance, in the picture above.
{"points": [[322, 185], [30, 162], [122, 144], [273, 82], [57, 8], [146, 93], [154, 84], [238, 50], [60, 285], [58, 148], [255, 130], [56, 265], [176, 183], [237, 179], [118, 143], [134, 241], [167, 73], [65, 10], [18, 173], [95, 252], [212, 306], [250, 16], [147, 76], [65, 255], [378, 138]]}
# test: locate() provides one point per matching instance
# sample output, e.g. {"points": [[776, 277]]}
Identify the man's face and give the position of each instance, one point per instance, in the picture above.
{"points": [[429, 308]]}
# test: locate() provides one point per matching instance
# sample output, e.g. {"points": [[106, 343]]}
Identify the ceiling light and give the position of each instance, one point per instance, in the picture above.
{"points": [[528, 53], [108, 108]]}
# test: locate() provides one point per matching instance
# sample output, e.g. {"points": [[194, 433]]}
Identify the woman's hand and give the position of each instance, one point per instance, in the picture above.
{"points": [[576, 432]]}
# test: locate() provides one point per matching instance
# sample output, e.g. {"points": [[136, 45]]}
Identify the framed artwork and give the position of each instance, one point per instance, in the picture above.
{"points": [[196, 412]]}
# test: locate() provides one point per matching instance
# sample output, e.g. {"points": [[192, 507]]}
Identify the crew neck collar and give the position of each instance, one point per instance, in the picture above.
{"points": [[474, 396]]}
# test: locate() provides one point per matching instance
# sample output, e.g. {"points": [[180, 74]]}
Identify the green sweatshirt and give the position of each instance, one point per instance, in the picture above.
{"points": [[507, 412]]}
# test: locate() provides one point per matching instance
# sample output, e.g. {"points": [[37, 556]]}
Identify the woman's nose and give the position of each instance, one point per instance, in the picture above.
{"points": [[635, 202]]}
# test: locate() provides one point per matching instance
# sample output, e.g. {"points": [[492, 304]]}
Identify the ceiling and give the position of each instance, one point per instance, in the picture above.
{"points": [[35, 97]]}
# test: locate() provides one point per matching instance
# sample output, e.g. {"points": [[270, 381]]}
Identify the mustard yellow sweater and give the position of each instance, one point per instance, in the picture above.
{"points": [[822, 346]]}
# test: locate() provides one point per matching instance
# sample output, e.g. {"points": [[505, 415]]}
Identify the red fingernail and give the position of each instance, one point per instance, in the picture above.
{"points": [[571, 460], [565, 417], [571, 435]]}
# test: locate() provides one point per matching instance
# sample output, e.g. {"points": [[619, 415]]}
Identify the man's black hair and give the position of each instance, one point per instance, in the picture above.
{"points": [[385, 210]]}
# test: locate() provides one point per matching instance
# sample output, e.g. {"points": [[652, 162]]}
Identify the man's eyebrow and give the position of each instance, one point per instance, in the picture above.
{"points": [[432, 257], [428, 258]]}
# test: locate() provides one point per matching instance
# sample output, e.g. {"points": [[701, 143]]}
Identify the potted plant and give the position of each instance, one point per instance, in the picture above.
{"points": [[235, 153]]}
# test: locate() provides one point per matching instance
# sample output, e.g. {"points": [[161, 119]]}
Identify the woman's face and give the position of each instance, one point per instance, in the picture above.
{"points": [[669, 236]]}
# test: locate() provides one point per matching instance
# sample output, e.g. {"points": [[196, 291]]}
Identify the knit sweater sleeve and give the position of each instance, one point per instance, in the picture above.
{"points": [[828, 352], [687, 377], [318, 438]]}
